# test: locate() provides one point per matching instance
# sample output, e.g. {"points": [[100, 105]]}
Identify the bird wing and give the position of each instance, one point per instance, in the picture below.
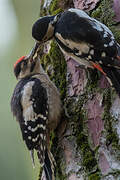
{"points": [[80, 34], [77, 26], [33, 115]]}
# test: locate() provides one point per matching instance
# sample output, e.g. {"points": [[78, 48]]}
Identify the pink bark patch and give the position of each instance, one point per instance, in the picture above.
{"points": [[70, 158], [95, 122], [72, 177], [85, 5], [116, 7], [103, 163], [103, 82], [76, 78]]}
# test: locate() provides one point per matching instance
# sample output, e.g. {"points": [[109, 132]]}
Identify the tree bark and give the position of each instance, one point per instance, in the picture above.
{"points": [[86, 145]]}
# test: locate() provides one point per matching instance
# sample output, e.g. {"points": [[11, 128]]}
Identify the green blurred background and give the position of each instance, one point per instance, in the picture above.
{"points": [[16, 19]]}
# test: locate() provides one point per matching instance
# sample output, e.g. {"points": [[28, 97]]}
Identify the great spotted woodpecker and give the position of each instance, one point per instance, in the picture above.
{"points": [[87, 40], [36, 105]]}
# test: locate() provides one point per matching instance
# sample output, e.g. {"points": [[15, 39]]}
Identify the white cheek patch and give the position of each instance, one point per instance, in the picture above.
{"points": [[49, 33]]}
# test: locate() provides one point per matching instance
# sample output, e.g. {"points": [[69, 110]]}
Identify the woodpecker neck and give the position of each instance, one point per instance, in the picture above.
{"points": [[51, 27]]}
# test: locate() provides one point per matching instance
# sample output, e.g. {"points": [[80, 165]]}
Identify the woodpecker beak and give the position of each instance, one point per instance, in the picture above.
{"points": [[33, 51]]}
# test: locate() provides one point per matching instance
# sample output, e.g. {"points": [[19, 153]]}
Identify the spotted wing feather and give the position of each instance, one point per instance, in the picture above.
{"points": [[29, 105], [75, 29]]}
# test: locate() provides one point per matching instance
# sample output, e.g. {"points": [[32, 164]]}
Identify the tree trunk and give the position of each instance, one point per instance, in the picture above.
{"points": [[86, 145]]}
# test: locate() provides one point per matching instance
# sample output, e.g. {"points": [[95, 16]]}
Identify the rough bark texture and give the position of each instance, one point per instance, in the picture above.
{"points": [[87, 143]]}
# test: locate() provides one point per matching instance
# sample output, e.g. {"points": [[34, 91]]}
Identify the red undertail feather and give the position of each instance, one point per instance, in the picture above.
{"points": [[97, 66]]}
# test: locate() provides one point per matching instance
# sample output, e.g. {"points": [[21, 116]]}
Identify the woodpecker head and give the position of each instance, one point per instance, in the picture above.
{"points": [[25, 67], [43, 31]]}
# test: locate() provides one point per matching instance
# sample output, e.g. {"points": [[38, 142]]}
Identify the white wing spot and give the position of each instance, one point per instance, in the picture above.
{"points": [[92, 52], [41, 147], [34, 129], [41, 135], [29, 127], [41, 116], [100, 62], [29, 137], [89, 57], [103, 54], [105, 45], [46, 112], [105, 34], [35, 139], [111, 43]]}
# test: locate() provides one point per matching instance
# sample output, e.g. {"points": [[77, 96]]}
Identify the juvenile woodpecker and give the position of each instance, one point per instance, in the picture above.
{"points": [[36, 105], [87, 40]]}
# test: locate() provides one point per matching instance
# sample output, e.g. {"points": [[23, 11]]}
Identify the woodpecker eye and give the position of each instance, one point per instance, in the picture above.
{"points": [[25, 63], [21, 66]]}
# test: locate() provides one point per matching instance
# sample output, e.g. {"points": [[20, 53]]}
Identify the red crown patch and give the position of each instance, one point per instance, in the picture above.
{"points": [[19, 60]]}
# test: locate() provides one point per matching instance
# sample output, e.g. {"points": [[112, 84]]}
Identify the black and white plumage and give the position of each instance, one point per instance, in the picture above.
{"points": [[37, 107], [87, 40]]}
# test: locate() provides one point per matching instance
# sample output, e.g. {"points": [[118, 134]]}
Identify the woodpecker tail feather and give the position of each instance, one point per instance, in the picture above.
{"points": [[113, 76], [32, 157], [48, 168]]}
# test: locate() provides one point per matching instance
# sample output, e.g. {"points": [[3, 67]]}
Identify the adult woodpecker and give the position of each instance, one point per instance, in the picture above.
{"points": [[87, 40], [36, 105]]}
